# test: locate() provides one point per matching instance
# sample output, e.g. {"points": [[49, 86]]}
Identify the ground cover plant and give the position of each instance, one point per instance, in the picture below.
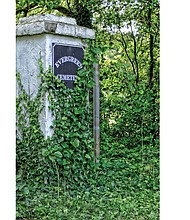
{"points": [[57, 178]]}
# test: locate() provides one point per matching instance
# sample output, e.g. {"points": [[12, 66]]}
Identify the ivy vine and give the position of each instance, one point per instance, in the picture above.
{"points": [[65, 159]]}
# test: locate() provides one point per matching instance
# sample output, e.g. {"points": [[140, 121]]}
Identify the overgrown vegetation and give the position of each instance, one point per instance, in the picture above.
{"points": [[57, 178]]}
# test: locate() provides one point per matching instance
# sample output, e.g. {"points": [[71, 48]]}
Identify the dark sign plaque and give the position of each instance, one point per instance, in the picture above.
{"points": [[66, 61]]}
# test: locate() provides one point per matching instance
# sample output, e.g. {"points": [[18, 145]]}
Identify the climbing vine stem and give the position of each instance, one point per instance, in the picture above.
{"points": [[66, 158]]}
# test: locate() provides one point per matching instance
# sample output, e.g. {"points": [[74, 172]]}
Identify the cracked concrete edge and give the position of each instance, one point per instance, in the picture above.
{"points": [[47, 17], [55, 26]]}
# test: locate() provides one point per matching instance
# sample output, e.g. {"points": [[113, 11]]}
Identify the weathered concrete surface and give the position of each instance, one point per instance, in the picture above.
{"points": [[47, 17], [28, 50]]}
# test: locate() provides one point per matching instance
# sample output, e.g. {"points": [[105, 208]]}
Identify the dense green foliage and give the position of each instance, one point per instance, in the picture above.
{"points": [[57, 178], [59, 158]]}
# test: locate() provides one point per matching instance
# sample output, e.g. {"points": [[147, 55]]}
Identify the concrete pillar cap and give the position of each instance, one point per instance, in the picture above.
{"points": [[52, 24]]}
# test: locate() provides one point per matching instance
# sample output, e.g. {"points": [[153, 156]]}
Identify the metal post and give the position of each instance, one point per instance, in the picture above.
{"points": [[96, 117]]}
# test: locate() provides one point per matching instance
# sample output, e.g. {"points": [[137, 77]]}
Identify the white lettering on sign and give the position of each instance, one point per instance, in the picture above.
{"points": [[66, 77], [68, 59]]}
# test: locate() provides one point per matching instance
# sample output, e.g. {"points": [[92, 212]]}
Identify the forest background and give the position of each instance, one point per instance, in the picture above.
{"points": [[125, 181], [135, 80]]}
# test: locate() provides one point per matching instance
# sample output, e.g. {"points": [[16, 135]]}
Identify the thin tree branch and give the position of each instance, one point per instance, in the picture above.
{"points": [[151, 46], [135, 54], [125, 49]]}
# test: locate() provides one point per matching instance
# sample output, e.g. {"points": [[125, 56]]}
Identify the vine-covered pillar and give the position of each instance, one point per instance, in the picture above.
{"points": [[58, 42]]}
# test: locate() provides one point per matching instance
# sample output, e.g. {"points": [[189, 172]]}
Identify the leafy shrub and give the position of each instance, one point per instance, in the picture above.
{"points": [[57, 179]]}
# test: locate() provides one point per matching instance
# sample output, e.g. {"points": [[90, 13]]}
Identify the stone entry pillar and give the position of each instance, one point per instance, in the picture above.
{"points": [[59, 43]]}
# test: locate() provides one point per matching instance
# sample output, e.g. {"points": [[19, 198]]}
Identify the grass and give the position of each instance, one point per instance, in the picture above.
{"points": [[93, 205], [121, 188]]}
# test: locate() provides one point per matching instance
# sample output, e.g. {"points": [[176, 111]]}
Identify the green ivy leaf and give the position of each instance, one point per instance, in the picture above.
{"points": [[58, 154], [75, 142], [26, 190], [44, 152]]}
